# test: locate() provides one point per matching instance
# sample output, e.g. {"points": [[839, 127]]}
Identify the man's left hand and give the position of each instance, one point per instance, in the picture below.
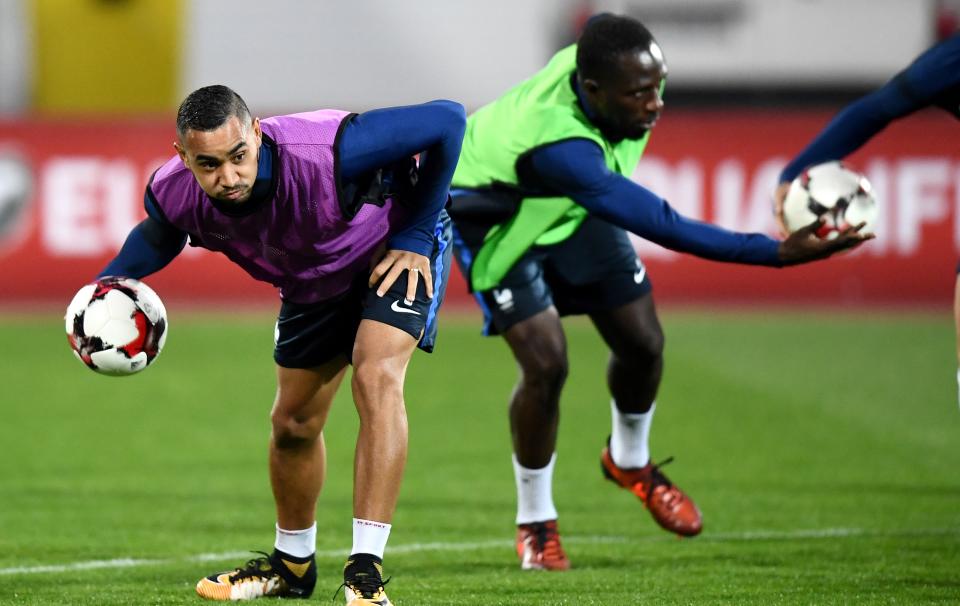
{"points": [[803, 245], [395, 262]]}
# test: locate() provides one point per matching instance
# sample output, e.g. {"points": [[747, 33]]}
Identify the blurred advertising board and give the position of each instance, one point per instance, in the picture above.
{"points": [[70, 191]]}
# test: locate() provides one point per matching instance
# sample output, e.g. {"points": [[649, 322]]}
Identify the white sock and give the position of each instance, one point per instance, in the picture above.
{"points": [[534, 492], [298, 543], [370, 537], [630, 437]]}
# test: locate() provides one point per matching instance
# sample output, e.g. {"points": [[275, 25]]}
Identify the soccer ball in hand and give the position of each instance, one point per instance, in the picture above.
{"points": [[842, 197], [116, 326]]}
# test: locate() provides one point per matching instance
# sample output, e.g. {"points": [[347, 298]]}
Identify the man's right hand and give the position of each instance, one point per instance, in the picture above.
{"points": [[778, 197], [804, 245]]}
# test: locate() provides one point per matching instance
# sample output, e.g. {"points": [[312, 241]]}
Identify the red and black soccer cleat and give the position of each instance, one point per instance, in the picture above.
{"points": [[539, 548], [670, 507]]}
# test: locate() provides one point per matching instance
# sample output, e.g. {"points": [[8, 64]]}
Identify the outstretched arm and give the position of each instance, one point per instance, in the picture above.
{"points": [[149, 247], [576, 168], [380, 137]]}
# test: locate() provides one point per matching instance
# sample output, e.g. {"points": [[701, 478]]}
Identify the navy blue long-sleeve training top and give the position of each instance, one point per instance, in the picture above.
{"points": [[369, 141], [576, 168], [933, 79]]}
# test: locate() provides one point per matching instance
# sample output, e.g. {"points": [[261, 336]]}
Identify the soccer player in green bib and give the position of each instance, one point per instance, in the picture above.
{"points": [[542, 203]]}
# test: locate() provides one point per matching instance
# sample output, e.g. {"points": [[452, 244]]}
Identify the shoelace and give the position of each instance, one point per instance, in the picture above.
{"points": [[656, 476], [644, 489], [254, 568], [672, 496], [365, 584], [548, 540]]}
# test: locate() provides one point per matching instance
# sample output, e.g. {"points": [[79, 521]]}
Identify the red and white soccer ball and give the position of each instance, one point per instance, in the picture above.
{"points": [[843, 197], [116, 326]]}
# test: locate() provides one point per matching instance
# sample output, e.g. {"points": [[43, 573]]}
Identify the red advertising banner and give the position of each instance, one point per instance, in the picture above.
{"points": [[70, 191]]}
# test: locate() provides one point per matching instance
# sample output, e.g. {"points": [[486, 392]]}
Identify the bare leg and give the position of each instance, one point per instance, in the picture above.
{"points": [[297, 456], [540, 348], [636, 364], [380, 355], [633, 333]]}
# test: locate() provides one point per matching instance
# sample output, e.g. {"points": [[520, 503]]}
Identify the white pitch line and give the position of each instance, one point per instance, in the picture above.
{"points": [[88, 565], [826, 533], [753, 535]]}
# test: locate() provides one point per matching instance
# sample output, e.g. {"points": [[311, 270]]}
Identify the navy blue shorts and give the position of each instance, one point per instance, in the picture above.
{"points": [[308, 335], [596, 269]]}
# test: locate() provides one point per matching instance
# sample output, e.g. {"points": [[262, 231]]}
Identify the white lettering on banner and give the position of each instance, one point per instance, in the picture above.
{"points": [[69, 207], [733, 207], [922, 196], [728, 192], [89, 205], [681, 187], [879, 174], [121, 185]]}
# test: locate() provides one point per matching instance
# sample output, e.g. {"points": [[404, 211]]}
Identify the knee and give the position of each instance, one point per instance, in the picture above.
{"points": [[645, 347], [292, 429], [546, 371], [653, 344], [377, 386]]}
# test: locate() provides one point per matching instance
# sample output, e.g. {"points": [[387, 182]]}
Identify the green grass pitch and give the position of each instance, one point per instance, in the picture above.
{"points": [[823, 450]]}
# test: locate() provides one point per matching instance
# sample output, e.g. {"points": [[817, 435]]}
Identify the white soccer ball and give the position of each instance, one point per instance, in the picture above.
{"points": [[842, 197], [116, 326]]}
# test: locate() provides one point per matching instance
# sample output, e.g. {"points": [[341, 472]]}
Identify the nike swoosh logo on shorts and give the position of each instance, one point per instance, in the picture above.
{"points": [[395, 306]]}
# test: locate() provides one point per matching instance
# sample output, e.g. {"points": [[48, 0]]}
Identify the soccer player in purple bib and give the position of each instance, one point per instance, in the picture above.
{"points": [[309, 203]]}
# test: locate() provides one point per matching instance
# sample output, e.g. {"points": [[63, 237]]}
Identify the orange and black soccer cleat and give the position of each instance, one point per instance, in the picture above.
{"points": [[277, 574], [670, 507], [539, 548]]}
